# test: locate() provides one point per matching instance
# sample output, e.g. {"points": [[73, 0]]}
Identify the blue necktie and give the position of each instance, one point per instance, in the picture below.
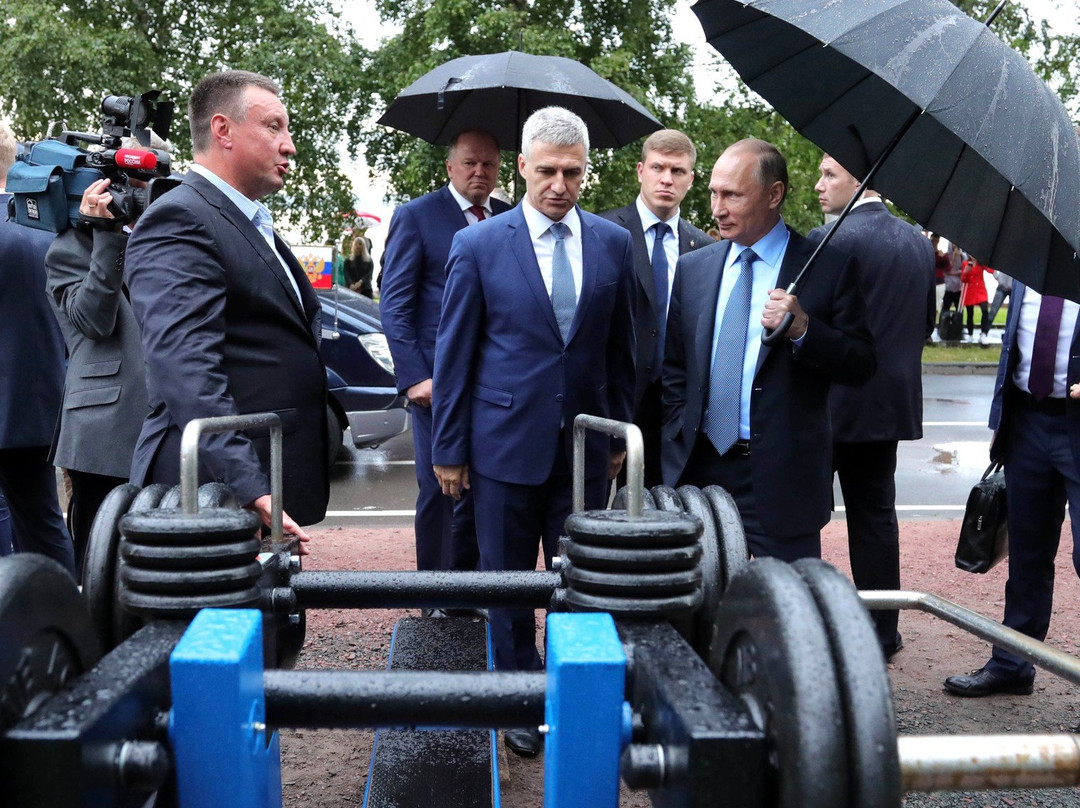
{"points": [[726, 375], [660, 284], [563, 296]]}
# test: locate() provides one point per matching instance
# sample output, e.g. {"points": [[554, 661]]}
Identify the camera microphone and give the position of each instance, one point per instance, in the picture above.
{"points": [[136, 159]]}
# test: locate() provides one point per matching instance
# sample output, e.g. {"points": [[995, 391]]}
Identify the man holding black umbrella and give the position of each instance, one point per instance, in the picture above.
{"points": [[537, 327], [896, 263], [747, 416], [414, 274]]}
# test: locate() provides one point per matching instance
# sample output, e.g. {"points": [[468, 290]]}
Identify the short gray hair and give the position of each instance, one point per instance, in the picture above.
{"points": [[556, 126]]}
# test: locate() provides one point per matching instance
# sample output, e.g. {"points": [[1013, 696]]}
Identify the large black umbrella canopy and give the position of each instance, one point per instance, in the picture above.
{"points": [[498, 91], [991, 159]]}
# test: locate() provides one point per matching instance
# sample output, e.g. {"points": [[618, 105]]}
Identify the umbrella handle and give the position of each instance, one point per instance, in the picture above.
{"points": [[773, 336]]}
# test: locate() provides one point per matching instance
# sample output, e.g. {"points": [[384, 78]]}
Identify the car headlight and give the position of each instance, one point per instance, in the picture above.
{"points": [[378, 349]]}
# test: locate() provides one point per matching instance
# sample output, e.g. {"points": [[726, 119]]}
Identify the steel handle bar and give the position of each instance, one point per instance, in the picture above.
{"points": [[635, 459], [425, 589], [346, 699], [1039, 653], [189, 460], [983, 762]]}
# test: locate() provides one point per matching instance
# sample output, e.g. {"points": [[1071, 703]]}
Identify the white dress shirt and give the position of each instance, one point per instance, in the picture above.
{"points": [[543, 241], [671, 240], [1025, 341], [770, 251], [465, 204]]}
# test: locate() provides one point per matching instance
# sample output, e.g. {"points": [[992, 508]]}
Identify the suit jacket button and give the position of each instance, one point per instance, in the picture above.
{"points": [[559, 397], [655, 332]]}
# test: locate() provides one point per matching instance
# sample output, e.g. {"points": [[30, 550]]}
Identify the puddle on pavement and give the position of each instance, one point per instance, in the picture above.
{"points": [[955, 456]]}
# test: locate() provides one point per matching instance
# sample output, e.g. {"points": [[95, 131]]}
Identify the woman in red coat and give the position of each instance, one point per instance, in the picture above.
{"points": [[975, 295]]}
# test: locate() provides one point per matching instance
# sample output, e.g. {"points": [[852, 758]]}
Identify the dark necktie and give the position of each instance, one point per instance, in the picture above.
{"points": [[478, 212], [725, 377], [563, 295], [1044, 351], [660, 284]]}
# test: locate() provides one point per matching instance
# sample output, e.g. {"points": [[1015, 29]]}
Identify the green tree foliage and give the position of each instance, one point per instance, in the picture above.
{"points": [[59, 58]]}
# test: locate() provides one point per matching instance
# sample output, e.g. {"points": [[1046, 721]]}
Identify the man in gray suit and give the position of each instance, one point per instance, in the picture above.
{"points": [[105, 387], [666, 172], [896, 263], [31, 382]]}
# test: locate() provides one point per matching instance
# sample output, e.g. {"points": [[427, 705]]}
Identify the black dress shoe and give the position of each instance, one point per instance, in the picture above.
{"points": [[433, 613], [524, 741], [466, 611], [892, 650], [986, 683]]}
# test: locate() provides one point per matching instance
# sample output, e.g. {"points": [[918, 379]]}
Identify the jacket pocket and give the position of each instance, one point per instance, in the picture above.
{"points": [[493, 395], [93, 370], [93, 397]]}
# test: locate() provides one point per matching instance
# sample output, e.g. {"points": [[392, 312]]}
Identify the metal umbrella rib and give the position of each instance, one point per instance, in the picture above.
{"points": [[991, 162]]}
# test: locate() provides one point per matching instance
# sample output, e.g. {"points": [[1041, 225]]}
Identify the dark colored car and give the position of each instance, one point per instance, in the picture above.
{"points": [[359, 371]]}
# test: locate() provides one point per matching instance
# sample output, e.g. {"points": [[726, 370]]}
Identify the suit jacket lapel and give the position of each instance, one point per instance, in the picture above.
{"points": [[629, 218], [706, 293], [590, 249], [522, 247], [687, 240]]}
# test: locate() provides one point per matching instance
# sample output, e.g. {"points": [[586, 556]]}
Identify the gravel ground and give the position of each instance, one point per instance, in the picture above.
{"points": [[329, 768]]}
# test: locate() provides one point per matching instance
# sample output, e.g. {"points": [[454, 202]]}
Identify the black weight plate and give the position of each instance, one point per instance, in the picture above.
{"points": [[865, 694], [641, 608], [216, 495], [148, 498], [616, 529], [711, 568], [125, 623], [189, 582], [99, 566], [631, 559], [47, 638], [667, 499], [189, 557], [171, 499], [619, 501], [179, 607], [208, 526], [631, 585], [771, 650], [730, 536]]}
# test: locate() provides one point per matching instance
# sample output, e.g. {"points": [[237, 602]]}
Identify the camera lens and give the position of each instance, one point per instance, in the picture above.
{"points": [[117, 106]]}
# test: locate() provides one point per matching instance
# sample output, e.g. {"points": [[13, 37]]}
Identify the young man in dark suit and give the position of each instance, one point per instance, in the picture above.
{"points": [[536, 328], [749, 417], [659, 235], [896, 275], [229, 322], [414, 276]]}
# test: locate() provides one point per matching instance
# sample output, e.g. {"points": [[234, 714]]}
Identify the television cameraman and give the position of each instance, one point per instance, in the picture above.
{"points": [[105, 398]]}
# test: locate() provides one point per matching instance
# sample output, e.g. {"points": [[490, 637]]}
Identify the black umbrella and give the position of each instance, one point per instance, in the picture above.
{"points": [[969, 141], [498, 91]]}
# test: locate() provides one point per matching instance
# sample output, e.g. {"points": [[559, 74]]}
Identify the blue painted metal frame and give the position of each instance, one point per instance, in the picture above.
{"points": [[218, 721], [587, 723]]}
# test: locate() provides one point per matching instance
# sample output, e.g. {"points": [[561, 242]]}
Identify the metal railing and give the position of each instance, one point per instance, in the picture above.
{"points": [[635, 459]]}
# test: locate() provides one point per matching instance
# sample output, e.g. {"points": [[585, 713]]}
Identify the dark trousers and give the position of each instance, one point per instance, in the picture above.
{"points": [[867, 478], [445, 530], [732, 472], [985, 323], [950, 300], [5, 527], [512, 522], [1040, 475], [647, 419], [28, 481], [88, 491]]}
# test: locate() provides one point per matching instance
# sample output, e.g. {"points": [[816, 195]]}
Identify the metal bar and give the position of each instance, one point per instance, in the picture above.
{"points": [[635, 459], [345, 699], [975, 762], [189, 460], [423, 589], [1038, 653]]}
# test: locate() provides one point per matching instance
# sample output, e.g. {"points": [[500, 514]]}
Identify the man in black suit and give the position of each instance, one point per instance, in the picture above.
{"points": [[749, 417], [896, 275], [31, 384], [229, 322], [414, 276], [666, 172]]}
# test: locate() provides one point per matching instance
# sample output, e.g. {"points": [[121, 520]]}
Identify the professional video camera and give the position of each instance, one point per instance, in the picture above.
{"points": [[48, 179]]}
